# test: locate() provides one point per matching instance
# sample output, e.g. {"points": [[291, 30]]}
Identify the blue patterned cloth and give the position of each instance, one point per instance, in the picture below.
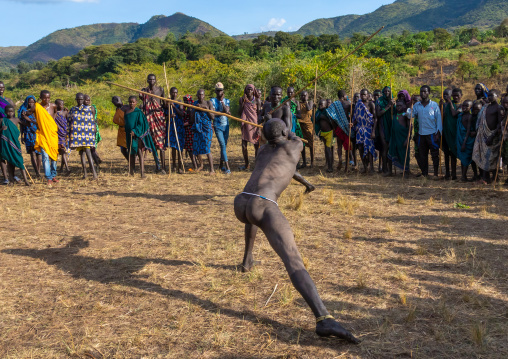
{"points": [[336, 112], [28, 132], [364, 128], [203, 133], [220, 122], [82, 127], [465, 157], [180, 132]]}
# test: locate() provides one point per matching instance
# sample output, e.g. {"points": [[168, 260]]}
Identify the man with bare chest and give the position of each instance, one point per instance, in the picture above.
{"points": [[283, 113], [153, 108], [257, 207], [488, 138]]}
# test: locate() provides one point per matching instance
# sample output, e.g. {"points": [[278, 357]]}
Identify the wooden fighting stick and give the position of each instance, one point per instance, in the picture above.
{"points": [[500, 151], [442, 122], [350, 120], [174, 125], [408, 138], [189, 106]]}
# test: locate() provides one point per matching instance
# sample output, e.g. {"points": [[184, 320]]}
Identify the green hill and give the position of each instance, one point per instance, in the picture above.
{"points": [[68, 42], [414, 15]]}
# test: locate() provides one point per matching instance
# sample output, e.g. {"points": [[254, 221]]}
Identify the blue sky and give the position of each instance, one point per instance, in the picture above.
{"points": [[26, 21]]}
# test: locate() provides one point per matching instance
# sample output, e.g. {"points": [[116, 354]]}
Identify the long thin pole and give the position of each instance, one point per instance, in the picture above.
{"points": [[189, 106], [330, 68], [391, 112], [350, 119], [174, 125], [500, 151], [314, 113], [130, 147], [408, 138], [34, 182], [442, 122], [186, 105]]}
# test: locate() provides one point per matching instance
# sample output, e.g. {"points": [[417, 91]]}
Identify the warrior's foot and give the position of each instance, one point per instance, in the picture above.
{"points": [[331, 328], [143, 176], [211, 173], [160, 171], [247, 266], [363, 170], [329, 169], [464, 179], [27, 184], [309, 189], [340, 165], [387, 174], [181, 171], [303, 165]]}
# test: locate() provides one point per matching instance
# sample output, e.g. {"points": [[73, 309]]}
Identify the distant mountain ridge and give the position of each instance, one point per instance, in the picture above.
{"points": [[414, 15], [68, 42], [411, 15]]}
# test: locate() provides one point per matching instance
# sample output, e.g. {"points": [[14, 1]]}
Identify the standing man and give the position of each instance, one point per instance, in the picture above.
{"points": [[294, 107], [305, 121], [337, 112], [221, 125], [385, 110], [153, 108], [488, 138], [176, 140], [46, 137], [250, 108], [63, 140], [451, 109], [118, 118], [428, 116], [82, 132], [365, 121], [482, 92], [203, 132]]}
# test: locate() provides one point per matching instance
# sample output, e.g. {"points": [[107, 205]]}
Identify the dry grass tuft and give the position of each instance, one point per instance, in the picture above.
{"points": [[400, 200], [348, 234], [479, 334], [430, 201], [348, 205]]}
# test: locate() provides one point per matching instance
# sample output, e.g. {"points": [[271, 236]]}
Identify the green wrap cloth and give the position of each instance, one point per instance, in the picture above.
{"points": [[136, 122], [450, 128], [98, 137], [397, 150], [10, 149]]}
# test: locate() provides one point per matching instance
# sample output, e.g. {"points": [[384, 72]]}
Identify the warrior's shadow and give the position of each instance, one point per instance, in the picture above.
{"points": [[123, 271]]}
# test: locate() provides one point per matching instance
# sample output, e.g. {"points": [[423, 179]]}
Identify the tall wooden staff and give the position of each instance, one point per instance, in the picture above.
{"points": [[442, 121], [314, 112], [174, 125], [500, 151], [408, 138], [350, 119], [391, 112]]}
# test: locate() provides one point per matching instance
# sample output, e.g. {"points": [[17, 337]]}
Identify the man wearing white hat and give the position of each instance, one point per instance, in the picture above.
{"points": [[221, 125]]}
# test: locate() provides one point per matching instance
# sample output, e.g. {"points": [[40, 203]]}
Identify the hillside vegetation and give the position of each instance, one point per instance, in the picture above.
{"points": [[68, 42], [414, 15]]}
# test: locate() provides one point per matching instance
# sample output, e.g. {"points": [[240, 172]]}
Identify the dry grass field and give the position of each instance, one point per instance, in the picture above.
{"points": [[132, 268]]}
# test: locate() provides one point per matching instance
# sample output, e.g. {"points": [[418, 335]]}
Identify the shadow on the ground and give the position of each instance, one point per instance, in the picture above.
{"points": [[123, 270], [191, 199]]}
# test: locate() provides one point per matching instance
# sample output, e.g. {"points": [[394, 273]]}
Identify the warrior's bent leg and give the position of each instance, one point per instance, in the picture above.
{"points": [[250, 236], [280, 236], [299, 178]]}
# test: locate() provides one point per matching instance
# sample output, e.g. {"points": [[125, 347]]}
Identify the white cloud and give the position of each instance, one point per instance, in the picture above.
{"points": [[273, 24]]}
